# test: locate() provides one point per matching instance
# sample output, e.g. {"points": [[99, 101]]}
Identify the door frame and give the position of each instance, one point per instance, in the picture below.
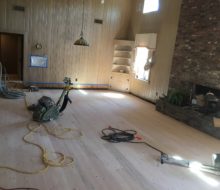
{"points": [[24, 42]]}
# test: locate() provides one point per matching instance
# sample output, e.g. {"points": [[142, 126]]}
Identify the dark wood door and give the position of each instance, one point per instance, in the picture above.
{"points": [[11, 55]]}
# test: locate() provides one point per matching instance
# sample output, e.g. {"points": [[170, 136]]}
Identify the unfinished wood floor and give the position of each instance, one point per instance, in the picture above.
{"points": [[100, 165]]}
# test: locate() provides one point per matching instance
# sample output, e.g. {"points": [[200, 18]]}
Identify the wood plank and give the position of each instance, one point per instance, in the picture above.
{"points": [[100, 165], [3, 17]]}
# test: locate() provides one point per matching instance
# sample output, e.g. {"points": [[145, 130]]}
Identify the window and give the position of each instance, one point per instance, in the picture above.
{"points": [[144, 55], [141, 66], [150, 6]]}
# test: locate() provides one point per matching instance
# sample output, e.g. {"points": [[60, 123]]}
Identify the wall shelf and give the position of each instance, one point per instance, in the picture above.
{"points": [[120, 74], [121, 63], [116, 64], [122, 57], [128, 51]]}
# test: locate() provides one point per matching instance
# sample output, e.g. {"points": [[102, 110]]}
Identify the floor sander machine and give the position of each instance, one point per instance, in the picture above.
{"points": [[46, 109]]}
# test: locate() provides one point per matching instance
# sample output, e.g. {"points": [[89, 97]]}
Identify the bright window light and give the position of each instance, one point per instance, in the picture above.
{"points": [[113, 95], [140, 62], [150, 6], [83, 92]]}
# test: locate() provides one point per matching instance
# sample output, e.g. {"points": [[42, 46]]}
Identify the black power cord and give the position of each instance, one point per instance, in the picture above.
{"points": [[114, 135]]}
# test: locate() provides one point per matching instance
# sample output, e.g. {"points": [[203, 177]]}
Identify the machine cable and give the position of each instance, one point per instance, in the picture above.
{"points": [[4, 91], [60, 159], [114, 135]]}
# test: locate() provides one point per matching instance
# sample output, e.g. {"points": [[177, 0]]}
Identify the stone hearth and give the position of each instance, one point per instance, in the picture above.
{"points": [[195, 119]]}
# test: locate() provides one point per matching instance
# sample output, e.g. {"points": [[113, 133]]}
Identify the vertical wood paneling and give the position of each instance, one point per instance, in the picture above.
{"points": [[164, 23], [3, 11], [15, 20], [56, 24]]}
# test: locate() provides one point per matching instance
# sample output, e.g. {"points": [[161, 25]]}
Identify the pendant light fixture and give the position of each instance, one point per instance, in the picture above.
{"points": [[81, 41]]}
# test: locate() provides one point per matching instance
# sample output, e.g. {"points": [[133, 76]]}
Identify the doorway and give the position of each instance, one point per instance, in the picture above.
{"points": [[11, 55]]}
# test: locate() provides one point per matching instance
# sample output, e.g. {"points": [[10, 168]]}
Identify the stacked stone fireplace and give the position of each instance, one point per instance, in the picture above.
{"points": [[197, 116], [196, 57], [196, 65], [206, 100]]}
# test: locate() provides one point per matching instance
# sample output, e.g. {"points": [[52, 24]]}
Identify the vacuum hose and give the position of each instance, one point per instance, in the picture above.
{"points": [[4, 91]]}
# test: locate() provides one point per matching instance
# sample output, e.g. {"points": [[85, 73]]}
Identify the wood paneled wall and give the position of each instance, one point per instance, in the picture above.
{"points": [[56, 25], [165, 24]]}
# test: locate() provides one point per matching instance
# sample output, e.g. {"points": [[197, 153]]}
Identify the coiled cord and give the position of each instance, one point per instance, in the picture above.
{"points": [[114, 135]]}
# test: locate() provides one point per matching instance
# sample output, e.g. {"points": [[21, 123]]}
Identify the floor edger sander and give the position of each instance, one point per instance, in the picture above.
{"points": [[47, 109]]}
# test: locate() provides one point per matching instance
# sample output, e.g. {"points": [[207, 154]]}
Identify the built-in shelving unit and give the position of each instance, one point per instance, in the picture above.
{"points": [[121, 65]]}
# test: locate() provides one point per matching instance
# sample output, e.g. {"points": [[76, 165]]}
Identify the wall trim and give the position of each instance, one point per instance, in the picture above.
{"points": [[59, 85]]}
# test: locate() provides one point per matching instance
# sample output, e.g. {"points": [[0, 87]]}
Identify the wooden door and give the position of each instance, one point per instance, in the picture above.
{"points": [[11, 55]]}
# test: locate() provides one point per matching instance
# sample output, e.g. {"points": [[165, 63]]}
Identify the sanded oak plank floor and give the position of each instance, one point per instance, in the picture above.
{"points": [[100, 165]]}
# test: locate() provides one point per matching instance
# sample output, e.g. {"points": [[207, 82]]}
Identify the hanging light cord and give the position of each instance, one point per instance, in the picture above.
{"points": [[82, 20]]}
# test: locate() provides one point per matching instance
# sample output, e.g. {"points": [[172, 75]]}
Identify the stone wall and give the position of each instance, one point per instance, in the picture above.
{"points": [[193, 118], [197, 50]]}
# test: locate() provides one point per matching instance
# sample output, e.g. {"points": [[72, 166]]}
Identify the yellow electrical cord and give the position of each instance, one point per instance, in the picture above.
{"points": [[61, 160], [60, 133]]}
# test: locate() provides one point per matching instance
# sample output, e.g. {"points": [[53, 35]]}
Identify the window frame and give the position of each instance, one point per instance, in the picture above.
{"points": [[152, 11]]}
